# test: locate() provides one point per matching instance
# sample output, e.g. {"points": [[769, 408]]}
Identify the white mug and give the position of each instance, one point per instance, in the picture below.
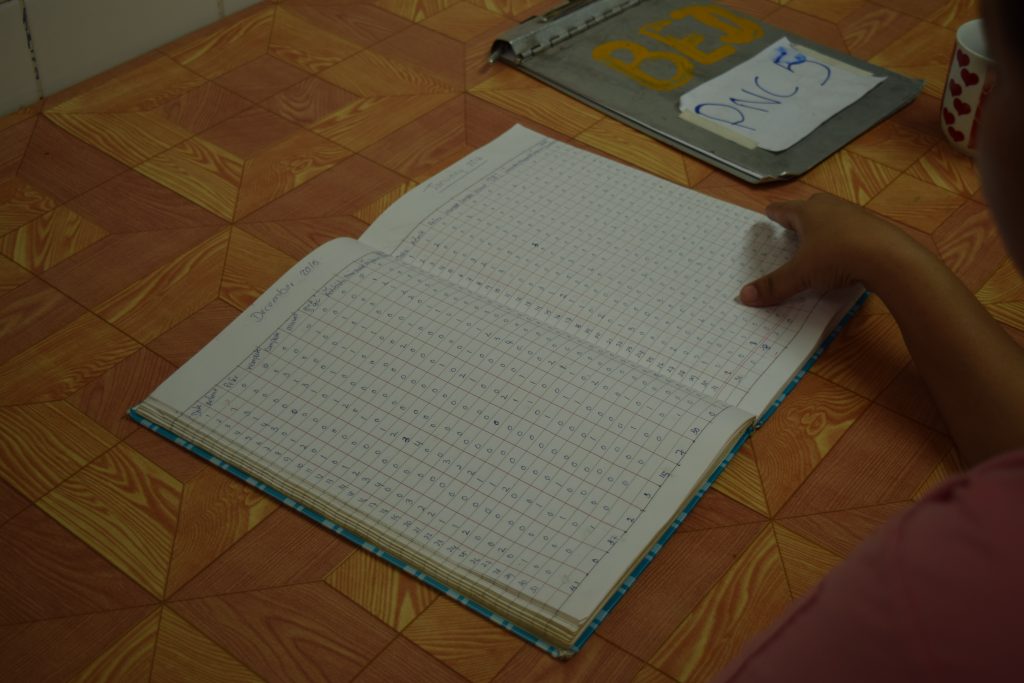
{"points": [[969, 81]]}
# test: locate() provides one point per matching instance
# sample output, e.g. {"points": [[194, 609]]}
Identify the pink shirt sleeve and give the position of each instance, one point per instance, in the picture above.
{"points": [[936, 595]]}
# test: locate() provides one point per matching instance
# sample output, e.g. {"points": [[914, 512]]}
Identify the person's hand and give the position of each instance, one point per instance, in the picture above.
{"points": [[840, 244]]}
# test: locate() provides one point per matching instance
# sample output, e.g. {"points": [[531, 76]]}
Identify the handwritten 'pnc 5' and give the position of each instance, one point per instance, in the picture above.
{"points": [[777, 97]]}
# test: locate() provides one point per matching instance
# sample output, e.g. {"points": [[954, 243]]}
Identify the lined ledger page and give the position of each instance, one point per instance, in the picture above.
{"points": [[632, 263], [483, 447]]}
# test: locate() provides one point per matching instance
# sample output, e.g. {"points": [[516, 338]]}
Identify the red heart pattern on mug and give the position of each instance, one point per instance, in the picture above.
{"points": [[963, 101]]}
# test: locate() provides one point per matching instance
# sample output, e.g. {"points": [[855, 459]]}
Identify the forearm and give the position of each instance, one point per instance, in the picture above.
{"points": [[973, 369]]}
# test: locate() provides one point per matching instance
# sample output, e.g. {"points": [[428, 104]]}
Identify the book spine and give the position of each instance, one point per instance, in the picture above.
{"points": [[540, 33]]}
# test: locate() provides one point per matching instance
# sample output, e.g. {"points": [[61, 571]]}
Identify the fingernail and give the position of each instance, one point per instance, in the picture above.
{"points": [[748, 295]]}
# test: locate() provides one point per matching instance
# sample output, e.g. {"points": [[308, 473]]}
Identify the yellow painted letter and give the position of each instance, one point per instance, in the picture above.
{"points": [[687, 44], [735, 30], [681, 69]]}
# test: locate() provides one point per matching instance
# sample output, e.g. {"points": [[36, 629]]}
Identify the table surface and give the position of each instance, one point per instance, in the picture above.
{"points": [[142, 210]]}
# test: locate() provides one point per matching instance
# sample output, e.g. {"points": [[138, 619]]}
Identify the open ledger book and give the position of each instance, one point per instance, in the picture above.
{"points": [[514, 385]]}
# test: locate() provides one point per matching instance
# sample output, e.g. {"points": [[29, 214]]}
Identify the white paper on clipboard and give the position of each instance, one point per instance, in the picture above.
{"points": [[777, 97]]}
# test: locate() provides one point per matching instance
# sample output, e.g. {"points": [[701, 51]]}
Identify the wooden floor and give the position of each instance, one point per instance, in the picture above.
{"points": [[141, 211]]}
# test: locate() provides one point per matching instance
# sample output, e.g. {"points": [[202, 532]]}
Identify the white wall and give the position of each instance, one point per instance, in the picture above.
{"points": [[48, 45], [18, 85]]}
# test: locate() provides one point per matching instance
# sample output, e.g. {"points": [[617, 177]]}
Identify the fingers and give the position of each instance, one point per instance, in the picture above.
{"points": [[792, 214], [773, 288], [786, 214], [793, 277]]}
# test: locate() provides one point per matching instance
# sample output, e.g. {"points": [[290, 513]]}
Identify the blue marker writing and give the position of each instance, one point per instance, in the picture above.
{"points": [[788, 58]]}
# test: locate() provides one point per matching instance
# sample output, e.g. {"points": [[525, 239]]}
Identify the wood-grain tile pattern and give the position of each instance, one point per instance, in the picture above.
{"points": [[141, 211]]}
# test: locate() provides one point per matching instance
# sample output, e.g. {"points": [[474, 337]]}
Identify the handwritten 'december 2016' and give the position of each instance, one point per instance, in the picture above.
{"points": [[777, 97]]}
